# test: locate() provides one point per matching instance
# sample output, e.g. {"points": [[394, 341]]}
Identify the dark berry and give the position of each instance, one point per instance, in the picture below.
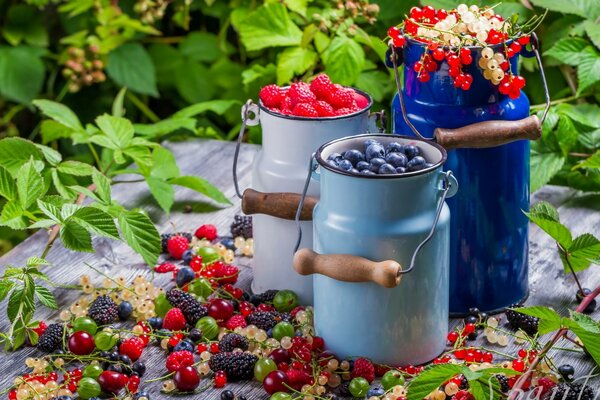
{"points": [[190, 307], [416, 163], [394, 147], [227, 395], [567, 372], [386, 169], [471, 319], [524, 322], [396, 159], [374, 150], [103, 310], [345, 165], [185, 344], [125, 310], [354, 156], [503, 380], [184, 275], [572, 391], [187, 256], [411, 151], [195, 335], [155, 322], [263, 319], [375, 163], [125, 359], [237, 366], [242, 226], [362, 165], [228, 242], [232, 341], [52, 339], [265, 297], [139, 368]]}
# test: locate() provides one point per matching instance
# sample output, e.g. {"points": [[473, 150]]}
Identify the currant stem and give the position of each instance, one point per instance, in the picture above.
{"points": [[567, 259]]}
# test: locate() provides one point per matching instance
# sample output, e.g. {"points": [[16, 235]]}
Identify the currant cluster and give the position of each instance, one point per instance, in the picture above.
{"points": [[151, 10], [362, 10], [83, 67]]}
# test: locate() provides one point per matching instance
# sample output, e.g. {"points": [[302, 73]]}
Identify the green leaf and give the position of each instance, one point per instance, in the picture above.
{"points": [[52, 130], [14, 304], [12, 216], [36, 262], [589, 340], [590, 139], [165, 126], [42, 224], [165, 166], [593, 31], [430, 379], [583, 8], [343, 60], [45, 297], [141, 156], [585, 322], [162, 192], [102, 187], [24, 23], [588, 71], [202, 186], [166, 60], [376, 83], [30, 185], [50, 210], [21, 73], [14, 152], [117, 106], [568, 50], [5, 288], [591, 162], [52, 156], [294, 61], [550, 320], [201, 46], [96, 221], [567, 134], [268, 26], [60, 186], [583, 249], [130, 65], [139, 232], [219, 107], [549, 224], [8, 189], [118, 130], [75, 237], [544, 165], [76, 168], [297, 6], [193, 82], [59, 113]]}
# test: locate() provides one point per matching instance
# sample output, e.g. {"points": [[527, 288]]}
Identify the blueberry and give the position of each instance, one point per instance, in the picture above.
{"points": [[125, 310], [184, 275], [375, 151], [227, 395], [184, 345], [139, 368], [566, 371], [354, 171], [333, 163], [394, 147], [125, 359], [155, 322], [416, 164], [362, 165], [345, 165], [376, 163], [115, 367], [228, 243], [114, 356], [428, 165], [195, 335], [187, 256], [334, 157], [400, 170], [396, 159], [369, 142], [354, 156], [367, 172], [387, 169], [375, 391], [411, 151], [471, 319]]}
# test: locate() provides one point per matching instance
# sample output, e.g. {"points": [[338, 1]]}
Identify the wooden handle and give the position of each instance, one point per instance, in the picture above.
{"points": [[347, 268], [489, 133], [280, 205]]}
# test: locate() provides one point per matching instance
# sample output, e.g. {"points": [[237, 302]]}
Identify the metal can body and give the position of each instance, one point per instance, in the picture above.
{"points": [[383, 219], [489, 239], [280, 166]]}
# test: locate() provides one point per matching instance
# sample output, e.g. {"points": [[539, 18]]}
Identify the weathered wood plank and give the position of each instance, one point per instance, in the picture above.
{"points": [[211, 159]]}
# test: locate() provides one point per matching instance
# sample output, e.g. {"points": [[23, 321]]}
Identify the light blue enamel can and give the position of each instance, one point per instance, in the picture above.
{"points": [[368, 232]]}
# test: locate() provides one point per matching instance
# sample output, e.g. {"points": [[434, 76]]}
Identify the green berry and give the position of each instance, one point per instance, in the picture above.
{"points": [[283, 329], [208, 254], [285, 301], [88, 388], [392, 378], [200, 287], [161, 305], [359, 387], [209, 327], [105, 340], [92, 371], [263, 367], [280, 396], [85, 324]]}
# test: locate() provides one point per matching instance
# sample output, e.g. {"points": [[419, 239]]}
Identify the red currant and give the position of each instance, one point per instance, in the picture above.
{"points": [[411, 370], [438, 54], [460, 354], [516, 47], [411, 27], [429, 12], [424, 77], [452, 337], [418, 66], [518, 365], [442, 14], [416, 13], [469, 328], [453, 60], [220, 379], [399, 41], [431, 66], [523, 40], [487, 357], [394, 32], [214, 347]]}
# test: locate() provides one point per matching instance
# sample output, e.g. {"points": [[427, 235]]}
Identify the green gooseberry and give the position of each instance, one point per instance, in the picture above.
{"points": [[392, 378], [263, 367], [285, 301], [280, 396], [88, 388], [161, 305], [92, 371], [209, 327], [208, 254], [200, 287], [283, 329], [85, 324], [359, 387], [105, 340]]}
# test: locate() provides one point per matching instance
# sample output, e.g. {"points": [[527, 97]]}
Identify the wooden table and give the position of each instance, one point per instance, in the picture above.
{"points": [[212, 160]]}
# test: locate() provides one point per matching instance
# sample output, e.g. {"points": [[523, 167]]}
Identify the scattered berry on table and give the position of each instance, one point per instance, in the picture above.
{"points": [[103, 310], [265, 297], [186, 379], [177, 245], [363, 368], [132, 348], [125, 310], [179, 359], [232, 341], [237, 366], [573, 391], [524, 322], [242, 226], [263, 319], [164, 239], [208, 232], [174, 320]]}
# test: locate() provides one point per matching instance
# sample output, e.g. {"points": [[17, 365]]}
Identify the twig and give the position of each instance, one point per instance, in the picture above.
{"points": [[143, 107], [555, 102], [566, 254]]}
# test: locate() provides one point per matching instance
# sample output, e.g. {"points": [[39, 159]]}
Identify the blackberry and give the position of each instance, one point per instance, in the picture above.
{"points": [[103, 310], [503, 380], [164, 238], [265, 297], [344, 389], [190, 307], [263, 319], [242, 226], [526, 323], [571, 391], [237, 366], [233, 341], [52, 338]]}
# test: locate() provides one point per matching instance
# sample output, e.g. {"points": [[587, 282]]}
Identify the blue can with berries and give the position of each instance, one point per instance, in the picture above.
{"points": [[380, 249], [489, 230]]}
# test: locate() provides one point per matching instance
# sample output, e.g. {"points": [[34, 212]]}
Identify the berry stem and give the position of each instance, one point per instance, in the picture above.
{"points": [[109, 278], [568, 260], [514, 394]]}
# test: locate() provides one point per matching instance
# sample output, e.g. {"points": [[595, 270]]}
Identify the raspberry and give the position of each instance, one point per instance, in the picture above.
{"points": [[226, 273], [305, 110], [361, 101], [324, 109], [174, 320], [208, 232], [41, 328], [297, 378], [177, 245], [165, 267], [232, 341], [342, 98], [103, 310], [321, 86], [300, 93], [132, 348], [346, 111], [164, 239], [363, 368], [545, 385], [236, 321], [287, 105], [271, 96], [179, 359]]}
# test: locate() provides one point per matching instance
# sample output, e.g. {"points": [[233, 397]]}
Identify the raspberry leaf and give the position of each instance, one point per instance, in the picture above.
{"points": [[269, 25], [141, 234]]}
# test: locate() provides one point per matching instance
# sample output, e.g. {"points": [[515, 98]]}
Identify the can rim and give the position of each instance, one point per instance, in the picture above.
{"points": [[263, 108], [326, 165]]}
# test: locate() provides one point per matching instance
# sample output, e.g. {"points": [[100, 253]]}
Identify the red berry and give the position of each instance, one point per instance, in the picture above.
{"points": [[360, 100], [363, 368], [429, 12], [196, 263], [510, 53], [300, 92], [514, 93], [112, 382], [442, 14], [220, 309], [516, 47], [394, 32], [305, 110], [523, 40], [220, 379], [271, 96], [418, 66], [226, 274], [179, 359], [460, 354], [174, 320], [454, 72], [452, 337], [469, 328], [177, 245], [399, 41], [323, 108], [487, 357], [208, 232], [504, 65], [276, 381], [81, 343], [280, 356], [12, 395], [519, 82], [321, 86], [410, 27], [518, 365], [431, 66], [416, 13], [133, 384], [186, 379], [132, 347], [546, 384], [452, 60], [438, 54], [318, 343], [41, 328], [165, 267], [247, 308], [342, 98], [411, 370], [424, 77], [214, 348]]}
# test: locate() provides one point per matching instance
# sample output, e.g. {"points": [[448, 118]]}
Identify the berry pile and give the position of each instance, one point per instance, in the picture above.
{"points": [[449, 37], [320, 98], [377, 159]]}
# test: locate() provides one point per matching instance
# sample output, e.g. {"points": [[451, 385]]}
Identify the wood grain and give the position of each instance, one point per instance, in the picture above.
{"points": [[549, 285], [279, 205]]}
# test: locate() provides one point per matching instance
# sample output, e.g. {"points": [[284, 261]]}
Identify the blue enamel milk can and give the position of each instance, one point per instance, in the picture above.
{"points": [[368, 232], [489, 243]]}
